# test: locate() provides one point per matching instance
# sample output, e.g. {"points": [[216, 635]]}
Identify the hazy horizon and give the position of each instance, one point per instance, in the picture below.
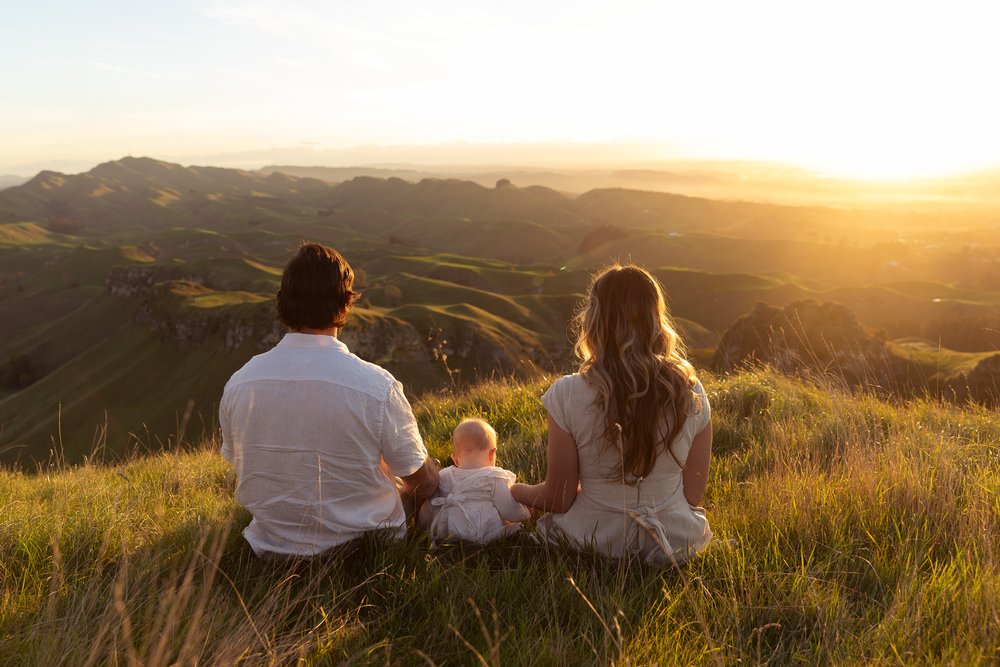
{"points": [[472, 157], [457, 154]]}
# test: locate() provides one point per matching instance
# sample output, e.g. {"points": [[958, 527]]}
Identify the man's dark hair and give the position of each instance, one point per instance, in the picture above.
{"points": [[316, 289]]}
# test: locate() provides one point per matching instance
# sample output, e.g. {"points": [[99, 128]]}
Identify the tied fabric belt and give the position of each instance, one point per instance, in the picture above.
{"points": [[644, 516], [456, 499], [441, 504]]}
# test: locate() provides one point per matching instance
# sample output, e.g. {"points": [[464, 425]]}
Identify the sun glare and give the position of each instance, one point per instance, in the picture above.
{"points": [[901, 162]]}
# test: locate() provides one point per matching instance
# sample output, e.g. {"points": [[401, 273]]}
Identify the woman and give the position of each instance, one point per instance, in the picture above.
{"points": [[630, 436]]}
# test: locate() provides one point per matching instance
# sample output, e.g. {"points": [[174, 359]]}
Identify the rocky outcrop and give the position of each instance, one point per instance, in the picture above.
{"points": [[982, 383], [130, 281], [163, 309], [384, 341], [826, 339], [163, 293], [478, 350], [808, 337], [171, 298]]}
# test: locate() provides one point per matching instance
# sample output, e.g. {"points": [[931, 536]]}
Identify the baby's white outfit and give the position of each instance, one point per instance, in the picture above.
{"points": [[471, 505]]}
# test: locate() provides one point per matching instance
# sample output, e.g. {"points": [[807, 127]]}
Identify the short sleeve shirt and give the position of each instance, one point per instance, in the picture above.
{"points": [[306, 426]]}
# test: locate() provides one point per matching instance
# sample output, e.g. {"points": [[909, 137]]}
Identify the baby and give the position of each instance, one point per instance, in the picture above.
{"points": [[473, 500]]}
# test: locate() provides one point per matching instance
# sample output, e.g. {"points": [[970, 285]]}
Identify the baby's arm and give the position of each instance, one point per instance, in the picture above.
{"points": [[510, 509]]}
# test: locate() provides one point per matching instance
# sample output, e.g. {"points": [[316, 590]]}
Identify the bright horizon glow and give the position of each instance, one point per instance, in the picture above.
{"points": [[876, 90]]}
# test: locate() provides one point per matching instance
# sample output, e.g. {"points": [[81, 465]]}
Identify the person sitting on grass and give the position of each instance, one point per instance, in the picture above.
{"points": [[630, 434], [473, 503], [317, 436]]}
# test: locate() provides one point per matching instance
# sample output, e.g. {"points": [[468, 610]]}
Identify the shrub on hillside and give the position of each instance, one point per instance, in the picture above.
{"points": [[19, 372], [66, 226], [393, 296]]}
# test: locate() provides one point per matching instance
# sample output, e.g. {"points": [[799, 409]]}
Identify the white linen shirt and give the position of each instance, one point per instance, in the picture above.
{"points": [[306, 425]]}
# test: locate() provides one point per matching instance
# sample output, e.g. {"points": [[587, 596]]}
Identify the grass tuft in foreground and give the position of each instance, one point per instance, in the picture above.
{"points": [[861, 531]]}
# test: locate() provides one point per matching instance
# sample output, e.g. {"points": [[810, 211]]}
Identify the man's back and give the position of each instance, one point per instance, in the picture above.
{"points": [[306, 425]]}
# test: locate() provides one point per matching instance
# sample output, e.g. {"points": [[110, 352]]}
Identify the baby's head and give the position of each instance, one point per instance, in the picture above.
{"points": [[474, 444]]}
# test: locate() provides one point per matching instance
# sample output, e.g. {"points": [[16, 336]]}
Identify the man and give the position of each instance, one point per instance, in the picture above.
{"points": [[317, 436]]}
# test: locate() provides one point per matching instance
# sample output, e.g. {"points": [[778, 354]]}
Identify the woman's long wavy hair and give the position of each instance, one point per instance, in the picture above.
{"points": [[633, 356]]}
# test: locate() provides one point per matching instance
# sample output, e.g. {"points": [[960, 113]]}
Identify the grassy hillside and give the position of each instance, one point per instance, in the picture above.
{"points": [[178, 295], [858, 532]]}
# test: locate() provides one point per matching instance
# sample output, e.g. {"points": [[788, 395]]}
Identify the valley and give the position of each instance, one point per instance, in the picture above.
{"points": [[130, 293]]}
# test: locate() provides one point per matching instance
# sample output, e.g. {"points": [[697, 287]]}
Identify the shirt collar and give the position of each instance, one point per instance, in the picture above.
{"points": [[312, 342]]}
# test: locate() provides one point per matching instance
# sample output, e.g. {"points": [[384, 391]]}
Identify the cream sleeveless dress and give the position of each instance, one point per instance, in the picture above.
{"points": [[651, 519]]}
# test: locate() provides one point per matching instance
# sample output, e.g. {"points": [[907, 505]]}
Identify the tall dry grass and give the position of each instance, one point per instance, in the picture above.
{"points": [[860, 531]]}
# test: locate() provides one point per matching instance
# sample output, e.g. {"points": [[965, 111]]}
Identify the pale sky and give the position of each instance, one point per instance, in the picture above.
{"points": [[879, 89]]}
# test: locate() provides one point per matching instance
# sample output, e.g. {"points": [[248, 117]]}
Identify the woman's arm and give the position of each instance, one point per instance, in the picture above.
{"points": [[696, 467], [558, 492], [508, 508]]}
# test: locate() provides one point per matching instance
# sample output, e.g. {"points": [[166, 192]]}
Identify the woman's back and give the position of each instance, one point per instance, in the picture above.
{"points": [[636, 389], [597, 515]]}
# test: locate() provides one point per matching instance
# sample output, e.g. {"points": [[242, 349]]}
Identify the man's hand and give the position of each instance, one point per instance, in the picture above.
{"points": [[419, 486]]}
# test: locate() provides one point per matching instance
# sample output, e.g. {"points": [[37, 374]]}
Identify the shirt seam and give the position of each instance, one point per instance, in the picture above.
{"points": [[381, 421], [333, 383]]}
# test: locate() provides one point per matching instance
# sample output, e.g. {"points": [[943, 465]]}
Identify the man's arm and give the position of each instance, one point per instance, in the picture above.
{"points": [[422, 484], [415, 488], [402, 449], [227, 433]]}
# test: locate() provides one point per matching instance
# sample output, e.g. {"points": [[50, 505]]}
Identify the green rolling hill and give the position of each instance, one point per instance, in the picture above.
{"points": [[136, 289]]}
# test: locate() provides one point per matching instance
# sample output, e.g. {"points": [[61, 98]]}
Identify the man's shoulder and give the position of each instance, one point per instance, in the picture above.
{"points": [[246, 371], [381, 380], [344, 369]]}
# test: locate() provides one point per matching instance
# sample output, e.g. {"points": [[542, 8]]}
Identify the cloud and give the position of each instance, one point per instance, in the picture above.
{"points": [[252, 14]]}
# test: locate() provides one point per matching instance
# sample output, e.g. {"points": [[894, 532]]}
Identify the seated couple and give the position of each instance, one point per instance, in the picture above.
{"points": [[325, 445]]}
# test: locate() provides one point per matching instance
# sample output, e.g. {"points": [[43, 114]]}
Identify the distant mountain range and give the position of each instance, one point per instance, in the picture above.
{"points": [[145, 193], [718, 180]]}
